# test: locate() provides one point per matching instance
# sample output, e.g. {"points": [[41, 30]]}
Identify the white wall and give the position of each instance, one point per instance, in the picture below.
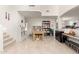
{"points": [[13, 25], [1, 38]]}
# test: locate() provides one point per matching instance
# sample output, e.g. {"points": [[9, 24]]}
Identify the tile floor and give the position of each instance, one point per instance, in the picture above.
{"points": [[46, 46]]}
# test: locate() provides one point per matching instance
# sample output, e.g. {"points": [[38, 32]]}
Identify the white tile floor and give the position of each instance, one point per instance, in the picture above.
{"points": [[48, 45]]}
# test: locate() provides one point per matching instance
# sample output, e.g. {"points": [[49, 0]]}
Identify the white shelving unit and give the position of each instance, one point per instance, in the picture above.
{"points": [[7, 40]]}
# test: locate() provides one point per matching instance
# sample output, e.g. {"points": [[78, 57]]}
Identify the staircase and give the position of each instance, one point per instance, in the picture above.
{"points": [[7, 40]]}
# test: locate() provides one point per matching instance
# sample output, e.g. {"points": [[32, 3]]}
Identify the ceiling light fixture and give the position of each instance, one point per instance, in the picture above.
{"points": [[47, 11], [32, 5]]}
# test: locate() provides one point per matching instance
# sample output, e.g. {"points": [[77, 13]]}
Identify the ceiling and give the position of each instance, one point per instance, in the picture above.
{"points": [[35, 14], [30, 13]]}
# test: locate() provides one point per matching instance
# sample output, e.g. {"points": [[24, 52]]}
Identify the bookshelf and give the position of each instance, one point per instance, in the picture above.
{"points": [[45, 26]]}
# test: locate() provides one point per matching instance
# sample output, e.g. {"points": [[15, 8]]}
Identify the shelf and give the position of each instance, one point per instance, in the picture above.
{"points": [[45, 26], [6, 44]]}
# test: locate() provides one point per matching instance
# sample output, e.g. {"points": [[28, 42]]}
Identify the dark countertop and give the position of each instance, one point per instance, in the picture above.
{"points": [[72, 38], [75, 36]]}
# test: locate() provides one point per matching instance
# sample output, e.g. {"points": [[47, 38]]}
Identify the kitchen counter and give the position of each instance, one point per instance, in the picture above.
{"points": [[72, 41], [75, 36], [72, 38]]}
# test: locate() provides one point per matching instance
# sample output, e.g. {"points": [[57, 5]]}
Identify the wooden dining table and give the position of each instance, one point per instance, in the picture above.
{"points": [[38, 35]]}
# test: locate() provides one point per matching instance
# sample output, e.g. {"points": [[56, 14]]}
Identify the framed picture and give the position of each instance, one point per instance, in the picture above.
{"points": [[7, 16]]}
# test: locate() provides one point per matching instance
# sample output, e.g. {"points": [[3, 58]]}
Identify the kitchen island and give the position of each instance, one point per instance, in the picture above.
{"points": [[72, 41]]}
